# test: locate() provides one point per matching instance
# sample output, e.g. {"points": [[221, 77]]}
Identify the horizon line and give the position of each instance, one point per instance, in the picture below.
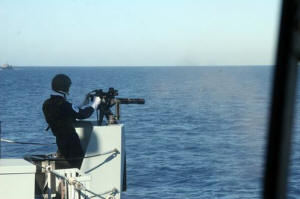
{"points": [[244, 65]]}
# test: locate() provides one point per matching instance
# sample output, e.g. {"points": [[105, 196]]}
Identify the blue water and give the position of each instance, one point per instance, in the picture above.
{"points": [[201, 133]]}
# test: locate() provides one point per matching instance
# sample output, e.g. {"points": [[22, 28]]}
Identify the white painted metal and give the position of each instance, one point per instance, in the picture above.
{"points": [[101, 173], [106, 171], [16, 179], [77, 177]]}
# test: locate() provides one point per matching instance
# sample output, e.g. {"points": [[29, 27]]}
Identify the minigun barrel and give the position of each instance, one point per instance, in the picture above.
{"points": [[130, 100]]}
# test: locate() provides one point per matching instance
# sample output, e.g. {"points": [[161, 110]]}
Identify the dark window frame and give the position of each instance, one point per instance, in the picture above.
{"points": [[282, 105]]}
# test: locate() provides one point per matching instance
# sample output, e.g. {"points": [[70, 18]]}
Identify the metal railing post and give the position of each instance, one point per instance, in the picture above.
{"points": [[49, 185]]}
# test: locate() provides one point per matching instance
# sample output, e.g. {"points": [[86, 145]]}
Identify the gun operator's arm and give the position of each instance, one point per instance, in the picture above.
{"points": [[78, 113], [82, 112]]}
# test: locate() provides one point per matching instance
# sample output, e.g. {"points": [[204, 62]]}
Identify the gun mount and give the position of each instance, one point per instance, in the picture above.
{"points": [[108, 100]]}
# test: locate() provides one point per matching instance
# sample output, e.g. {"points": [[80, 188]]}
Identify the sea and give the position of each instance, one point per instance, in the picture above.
{"points": [[201, 134]]}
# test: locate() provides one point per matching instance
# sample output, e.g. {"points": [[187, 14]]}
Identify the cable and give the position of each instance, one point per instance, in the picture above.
{"points": [[57, 159], [17, 142]]}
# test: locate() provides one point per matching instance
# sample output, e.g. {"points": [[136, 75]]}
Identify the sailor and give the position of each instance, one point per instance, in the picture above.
{"points": [[61, 116]]}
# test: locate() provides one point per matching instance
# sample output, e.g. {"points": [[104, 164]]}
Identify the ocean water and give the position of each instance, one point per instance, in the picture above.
{"points": [[201, 133]]}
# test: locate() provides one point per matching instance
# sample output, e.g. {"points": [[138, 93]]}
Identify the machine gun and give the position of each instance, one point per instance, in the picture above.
{"points": [[108, 100]]}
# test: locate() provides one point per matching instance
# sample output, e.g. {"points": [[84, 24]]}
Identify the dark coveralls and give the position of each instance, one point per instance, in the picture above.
{"points": [[61, 116]]}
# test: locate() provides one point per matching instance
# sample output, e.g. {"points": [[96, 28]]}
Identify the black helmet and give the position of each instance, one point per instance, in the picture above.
{"points": [[61, 82]]}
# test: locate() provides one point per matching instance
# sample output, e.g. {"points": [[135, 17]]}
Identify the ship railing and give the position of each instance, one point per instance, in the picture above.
{"points": [[71, 184]]}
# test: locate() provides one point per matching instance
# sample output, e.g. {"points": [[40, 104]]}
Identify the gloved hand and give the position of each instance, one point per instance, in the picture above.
{"points": [[96, 102]]}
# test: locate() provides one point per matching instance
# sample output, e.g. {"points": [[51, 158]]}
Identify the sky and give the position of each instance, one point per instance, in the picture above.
{"points": [[138, 32]]}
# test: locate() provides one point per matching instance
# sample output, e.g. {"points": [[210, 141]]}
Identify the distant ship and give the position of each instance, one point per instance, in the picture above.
{"points": [[6, 66]]}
